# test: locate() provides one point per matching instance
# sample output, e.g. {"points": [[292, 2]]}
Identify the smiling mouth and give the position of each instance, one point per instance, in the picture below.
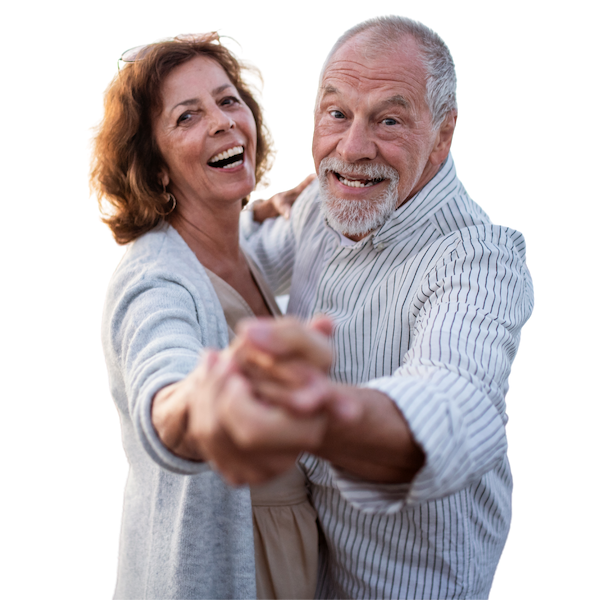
{"points": [[228, 159], [357, 182]]}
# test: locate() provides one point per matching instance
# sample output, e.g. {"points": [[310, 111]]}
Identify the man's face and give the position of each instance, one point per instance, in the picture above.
{"points": [[373, 135]]}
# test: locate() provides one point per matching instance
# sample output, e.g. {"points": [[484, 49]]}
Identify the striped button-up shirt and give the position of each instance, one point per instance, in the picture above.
{"points": [[428, 310]]}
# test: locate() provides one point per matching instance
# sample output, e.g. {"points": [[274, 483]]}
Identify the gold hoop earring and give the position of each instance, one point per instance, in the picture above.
{"points": [[168, 198]]}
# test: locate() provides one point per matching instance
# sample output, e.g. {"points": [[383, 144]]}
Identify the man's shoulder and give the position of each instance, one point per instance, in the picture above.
{"points": [[306, 209]]}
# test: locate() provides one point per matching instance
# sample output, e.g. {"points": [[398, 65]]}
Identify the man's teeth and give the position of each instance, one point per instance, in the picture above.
{"points": [[358, 184], [226, 154]]}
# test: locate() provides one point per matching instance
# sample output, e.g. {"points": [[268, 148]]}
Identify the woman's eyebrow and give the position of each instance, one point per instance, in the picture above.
{"points": [[189, 101]]}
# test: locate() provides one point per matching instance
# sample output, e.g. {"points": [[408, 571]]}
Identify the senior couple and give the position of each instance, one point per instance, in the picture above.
{"points": [[383, 399]]}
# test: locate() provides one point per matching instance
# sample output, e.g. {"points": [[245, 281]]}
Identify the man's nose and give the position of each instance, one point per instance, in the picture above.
{"points": [[356, 143]]}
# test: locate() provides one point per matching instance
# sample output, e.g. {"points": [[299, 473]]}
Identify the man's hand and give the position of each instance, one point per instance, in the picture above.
{"points": [[250, 434], [280, 204], [366, 433]]}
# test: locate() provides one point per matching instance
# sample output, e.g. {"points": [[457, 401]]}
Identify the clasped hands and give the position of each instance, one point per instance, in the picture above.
{"points": [[250, 409]]}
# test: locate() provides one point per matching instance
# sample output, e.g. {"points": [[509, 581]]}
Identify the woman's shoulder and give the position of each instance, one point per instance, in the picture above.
{"points": [[159, 274], [158, 249], [159, 268]]}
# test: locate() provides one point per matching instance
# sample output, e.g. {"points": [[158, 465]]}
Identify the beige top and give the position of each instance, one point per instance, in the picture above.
{"points": [[285, 523]]}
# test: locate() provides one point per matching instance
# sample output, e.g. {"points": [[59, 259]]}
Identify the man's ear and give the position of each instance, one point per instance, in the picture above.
{"points": [[444, 139]]}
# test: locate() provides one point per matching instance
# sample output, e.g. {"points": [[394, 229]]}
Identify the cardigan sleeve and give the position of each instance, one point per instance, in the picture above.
{"points": [[154, 333], [452, 382]]}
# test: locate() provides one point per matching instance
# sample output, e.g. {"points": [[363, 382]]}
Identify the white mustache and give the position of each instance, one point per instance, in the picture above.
{"points": [[367, 170]]}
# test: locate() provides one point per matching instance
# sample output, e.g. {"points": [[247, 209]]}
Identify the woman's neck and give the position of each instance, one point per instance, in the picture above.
{"points": [[212, 235]]}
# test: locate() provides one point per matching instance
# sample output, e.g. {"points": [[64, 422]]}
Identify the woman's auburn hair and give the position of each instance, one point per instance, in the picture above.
{"points": [[126, 160]]}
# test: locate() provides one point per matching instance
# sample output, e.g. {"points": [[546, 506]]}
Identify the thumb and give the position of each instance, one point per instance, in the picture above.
{"points": [[323, 324]]}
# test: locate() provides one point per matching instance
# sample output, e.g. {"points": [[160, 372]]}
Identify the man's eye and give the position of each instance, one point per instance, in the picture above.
{"points": [[337, 114], [390, 121]]}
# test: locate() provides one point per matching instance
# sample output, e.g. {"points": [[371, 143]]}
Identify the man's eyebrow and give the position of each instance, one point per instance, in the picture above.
{"points": [[329, 89], [215, 92], [397, 100]]}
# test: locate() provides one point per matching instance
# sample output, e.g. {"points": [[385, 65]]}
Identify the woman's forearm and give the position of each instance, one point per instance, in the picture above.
{"points": [[170, 417]]}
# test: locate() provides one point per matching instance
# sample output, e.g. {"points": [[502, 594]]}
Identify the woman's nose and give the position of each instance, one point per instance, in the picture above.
{"points": [[221, 121]]}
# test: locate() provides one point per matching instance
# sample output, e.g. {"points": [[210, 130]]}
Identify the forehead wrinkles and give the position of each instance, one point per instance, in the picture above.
{"points": [[364, 78]]}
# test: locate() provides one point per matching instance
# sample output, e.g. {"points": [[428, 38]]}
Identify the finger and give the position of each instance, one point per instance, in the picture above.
{"points": [[207, 361], [291, 195], [288, 372], [254, 425], [306, 181], [303, 401], [287, 338], [322, 324]]}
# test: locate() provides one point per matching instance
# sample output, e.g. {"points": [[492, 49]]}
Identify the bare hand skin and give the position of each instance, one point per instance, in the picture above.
{"points": [[366, 433], [213, 415], [280, 204], [252, 408]]}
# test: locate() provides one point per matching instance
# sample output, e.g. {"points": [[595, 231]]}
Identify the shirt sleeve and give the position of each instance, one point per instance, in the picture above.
{"points": [[156, 334], [452, 382]]}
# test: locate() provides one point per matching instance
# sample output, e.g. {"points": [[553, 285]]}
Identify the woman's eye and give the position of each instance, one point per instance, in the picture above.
{"points": [[230, 100], [186, 116]]}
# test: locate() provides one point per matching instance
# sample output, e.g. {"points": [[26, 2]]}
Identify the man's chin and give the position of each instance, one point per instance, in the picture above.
{"points": [[355, 216]]}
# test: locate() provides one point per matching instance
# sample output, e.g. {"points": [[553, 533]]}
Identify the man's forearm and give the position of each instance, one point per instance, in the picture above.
{"points": [[379, 446]]}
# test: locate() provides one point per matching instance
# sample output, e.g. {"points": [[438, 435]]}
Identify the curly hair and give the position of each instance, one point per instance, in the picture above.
{"points": [[126, 160]]}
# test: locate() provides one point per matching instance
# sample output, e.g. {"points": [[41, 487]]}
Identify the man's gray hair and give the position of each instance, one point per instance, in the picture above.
{"points": [[386, 32]]}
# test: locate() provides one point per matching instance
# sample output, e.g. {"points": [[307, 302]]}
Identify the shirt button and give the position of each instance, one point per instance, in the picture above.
{"points": [[379, 247]]}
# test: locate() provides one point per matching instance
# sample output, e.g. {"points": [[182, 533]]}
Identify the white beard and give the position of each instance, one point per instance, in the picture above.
{"points": [[357, 217]]}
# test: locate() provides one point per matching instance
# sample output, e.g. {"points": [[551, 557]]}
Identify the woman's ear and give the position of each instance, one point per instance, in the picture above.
{"points": [[164, 179]]}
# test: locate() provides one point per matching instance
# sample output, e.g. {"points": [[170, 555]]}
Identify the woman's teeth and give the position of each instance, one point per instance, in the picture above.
{"points": [[231, 165], [227, 154]]}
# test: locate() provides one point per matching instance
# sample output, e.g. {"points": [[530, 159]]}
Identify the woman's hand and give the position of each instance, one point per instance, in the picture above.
{"points": [[279, 204], [287, 364], [216, 415]]}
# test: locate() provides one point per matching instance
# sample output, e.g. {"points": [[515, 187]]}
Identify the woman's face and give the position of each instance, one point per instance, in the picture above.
{"points": [[206, 135]]}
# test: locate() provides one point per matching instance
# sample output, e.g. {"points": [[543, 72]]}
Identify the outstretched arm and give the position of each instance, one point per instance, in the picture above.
{"points": [[216, 415]]}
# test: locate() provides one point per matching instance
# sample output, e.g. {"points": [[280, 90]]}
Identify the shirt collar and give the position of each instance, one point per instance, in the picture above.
{"points": [[410, 215]]}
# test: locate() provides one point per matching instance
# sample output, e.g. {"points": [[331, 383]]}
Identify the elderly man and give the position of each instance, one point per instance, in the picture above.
{"points": [[428, 299], [409, 475]]}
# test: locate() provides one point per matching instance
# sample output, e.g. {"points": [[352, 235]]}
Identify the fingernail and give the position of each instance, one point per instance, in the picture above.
{"points": [[256, 331]]}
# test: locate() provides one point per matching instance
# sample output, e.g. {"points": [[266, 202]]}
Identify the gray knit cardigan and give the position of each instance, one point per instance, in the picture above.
{"points": [[185, 533]]}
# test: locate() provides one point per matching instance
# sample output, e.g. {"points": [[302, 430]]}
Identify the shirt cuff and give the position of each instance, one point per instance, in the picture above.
{"points": [[370, 497]]}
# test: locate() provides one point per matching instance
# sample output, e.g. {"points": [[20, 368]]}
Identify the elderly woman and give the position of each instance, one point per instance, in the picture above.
{"points": [[181, 147]]}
